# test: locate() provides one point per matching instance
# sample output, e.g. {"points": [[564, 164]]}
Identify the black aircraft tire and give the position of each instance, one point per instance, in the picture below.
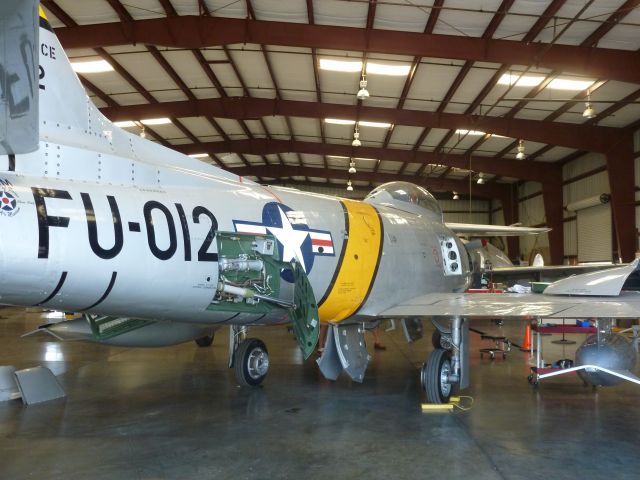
{"points": [[438, 365], [205, 341], [251, 362]]}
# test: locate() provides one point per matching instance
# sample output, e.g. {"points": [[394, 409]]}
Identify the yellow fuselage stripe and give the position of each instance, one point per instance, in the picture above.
{"points": [[42, 14], [359, 263]]}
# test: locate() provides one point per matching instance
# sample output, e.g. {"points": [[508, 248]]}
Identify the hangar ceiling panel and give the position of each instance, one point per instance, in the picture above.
{"points": [[404, 138], [333, 12], [464, 21], [294, 11], [390, 17]]}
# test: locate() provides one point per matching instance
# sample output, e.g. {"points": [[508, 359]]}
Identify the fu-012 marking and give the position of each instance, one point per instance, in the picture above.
{"points": [[46, 222]]}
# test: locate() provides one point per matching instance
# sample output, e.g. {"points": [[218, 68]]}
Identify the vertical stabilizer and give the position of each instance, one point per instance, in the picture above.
{"points": [[63, 100], [18, 76]]}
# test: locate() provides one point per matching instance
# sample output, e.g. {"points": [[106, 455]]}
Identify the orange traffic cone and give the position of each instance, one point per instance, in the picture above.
{"points": [[526, 344]]}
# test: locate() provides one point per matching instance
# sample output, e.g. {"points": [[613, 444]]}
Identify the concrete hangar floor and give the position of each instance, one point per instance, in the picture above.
{"points": [[176, 413]]}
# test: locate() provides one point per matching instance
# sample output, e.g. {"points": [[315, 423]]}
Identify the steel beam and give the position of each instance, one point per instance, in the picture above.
{"points": [[532, 171], [496, 190], [552, 195], [620, 164], [584, 137], [192, 31]]}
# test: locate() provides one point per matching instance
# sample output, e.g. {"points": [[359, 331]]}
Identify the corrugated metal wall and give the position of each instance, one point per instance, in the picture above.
{"points": [[458, 211], [531, 212], [579, 190]]}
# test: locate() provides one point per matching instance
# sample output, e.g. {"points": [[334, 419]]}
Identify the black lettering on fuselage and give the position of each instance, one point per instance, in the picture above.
{"points": [[185, 232], [93, 230], [45, 221], [203, 254], [151, 233], [48, 51]]}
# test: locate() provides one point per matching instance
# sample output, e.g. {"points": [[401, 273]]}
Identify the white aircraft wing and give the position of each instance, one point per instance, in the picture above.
{"points": [[601, 294], [626, 305], [494, 230]]}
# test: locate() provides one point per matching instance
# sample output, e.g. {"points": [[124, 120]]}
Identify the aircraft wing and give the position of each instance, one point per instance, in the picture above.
{"points": [[479, 230], [613, 293], [627, 305]]}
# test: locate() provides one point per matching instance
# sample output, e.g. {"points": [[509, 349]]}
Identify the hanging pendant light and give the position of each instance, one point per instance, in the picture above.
{"points": [[356, 138], [520, 155], [363, 93]]}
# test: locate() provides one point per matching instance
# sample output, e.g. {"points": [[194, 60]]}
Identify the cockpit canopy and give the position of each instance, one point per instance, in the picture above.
{"points": [[407, 197]]}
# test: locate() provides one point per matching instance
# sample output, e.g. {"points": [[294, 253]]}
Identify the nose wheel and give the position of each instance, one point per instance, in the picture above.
{"points": [[251, 362], [436, 374]]}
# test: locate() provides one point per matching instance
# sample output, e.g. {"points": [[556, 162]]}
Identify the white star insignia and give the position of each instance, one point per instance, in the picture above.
{"points": [[291, 239]]}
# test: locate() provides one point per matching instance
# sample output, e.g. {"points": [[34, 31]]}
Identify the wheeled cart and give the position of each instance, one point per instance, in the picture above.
{"points": [[539, 371]]}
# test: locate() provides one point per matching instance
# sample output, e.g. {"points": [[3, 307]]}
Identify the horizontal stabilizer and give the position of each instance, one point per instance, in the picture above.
{"points": [[18, 77]]}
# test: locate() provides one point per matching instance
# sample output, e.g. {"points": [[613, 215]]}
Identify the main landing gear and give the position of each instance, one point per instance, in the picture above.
{"points": [[248, 357], [448, 364]]}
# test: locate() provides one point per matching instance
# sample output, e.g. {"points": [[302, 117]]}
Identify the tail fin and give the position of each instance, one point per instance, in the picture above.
{"points": [[63, 100], [18, 72]]}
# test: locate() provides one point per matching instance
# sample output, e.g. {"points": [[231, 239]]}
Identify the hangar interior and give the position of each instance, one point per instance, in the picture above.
{"points": [[508, 111], [277, 83]]}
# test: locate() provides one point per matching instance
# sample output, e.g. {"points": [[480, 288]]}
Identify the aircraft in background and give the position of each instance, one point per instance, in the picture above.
{"points": [[156, 248]]}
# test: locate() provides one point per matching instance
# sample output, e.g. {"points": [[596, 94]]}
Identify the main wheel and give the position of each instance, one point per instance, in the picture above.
{"points": [[205, 341], [435, 376], [251, 362]]}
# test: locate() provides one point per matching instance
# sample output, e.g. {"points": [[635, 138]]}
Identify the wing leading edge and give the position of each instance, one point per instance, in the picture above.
{"points": [[494, 230]]}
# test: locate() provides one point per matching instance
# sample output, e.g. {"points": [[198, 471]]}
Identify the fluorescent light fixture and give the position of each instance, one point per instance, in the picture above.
{"points": [[474, 133], [397, 70], [337, 156], [369, 159], [339, 121], [567, 84], [156, 121], [199, 155], [125, 124], [136, 123], [92, 66], [363, 123], [340, 65], [520, 80], [393, 70]]}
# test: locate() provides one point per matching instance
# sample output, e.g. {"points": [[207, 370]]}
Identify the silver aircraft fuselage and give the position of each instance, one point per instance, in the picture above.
{"points": [[150, 252]]}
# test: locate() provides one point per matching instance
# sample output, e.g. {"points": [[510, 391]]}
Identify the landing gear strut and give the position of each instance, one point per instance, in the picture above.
{"points": [[448, 364]]}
